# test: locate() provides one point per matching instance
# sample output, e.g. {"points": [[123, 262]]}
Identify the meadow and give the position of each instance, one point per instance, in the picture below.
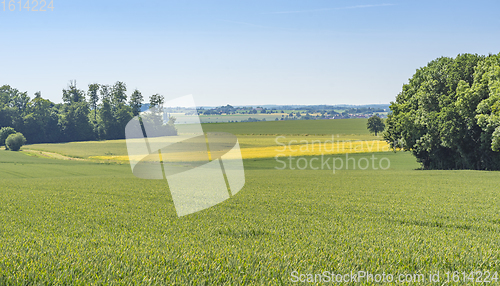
{"points": [[69, 222], [293, 127], [257, 139]]}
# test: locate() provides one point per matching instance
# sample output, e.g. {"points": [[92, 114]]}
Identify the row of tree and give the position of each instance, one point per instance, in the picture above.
{"points": [[101, 112], [448, 115]]}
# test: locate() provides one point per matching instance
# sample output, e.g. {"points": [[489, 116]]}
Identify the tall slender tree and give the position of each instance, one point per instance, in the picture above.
{"points": [[106, 120], [94, 98], [75, 119], [156, 100], [118, 93], [73, 94], [136, 102]]}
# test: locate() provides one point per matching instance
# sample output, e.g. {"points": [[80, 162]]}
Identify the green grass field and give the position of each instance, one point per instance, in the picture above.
{"points": [[294, 127], [68, 222]]}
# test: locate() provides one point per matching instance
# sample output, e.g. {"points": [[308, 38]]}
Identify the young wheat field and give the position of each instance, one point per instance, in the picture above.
{"points": [[83, 222]]}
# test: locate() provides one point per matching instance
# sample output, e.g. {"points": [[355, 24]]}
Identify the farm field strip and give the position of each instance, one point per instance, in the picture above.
{"points": [[293, 127], [309, 149], [264, 145], [77, 222], [81, 222], [251, 147]]}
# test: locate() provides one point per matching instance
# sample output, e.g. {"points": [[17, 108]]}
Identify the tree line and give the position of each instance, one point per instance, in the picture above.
{"points": [[448, 115], [99, 113]]}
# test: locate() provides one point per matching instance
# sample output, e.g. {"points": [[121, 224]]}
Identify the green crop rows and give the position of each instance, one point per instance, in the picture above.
{"points": [[297, 127], [70, 222]]}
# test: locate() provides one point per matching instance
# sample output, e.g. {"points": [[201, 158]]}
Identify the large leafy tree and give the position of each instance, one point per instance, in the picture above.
{"points": [[119, 93], [447, 114], [7, 112], [75, 120], [4, 133], [37, 118], [114, 114], [36, 123], [13, 107], [123, 115], [375, 124], [106, 119]]}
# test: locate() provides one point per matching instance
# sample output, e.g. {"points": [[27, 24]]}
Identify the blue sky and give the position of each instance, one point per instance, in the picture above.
{"points": [[241, 52]]}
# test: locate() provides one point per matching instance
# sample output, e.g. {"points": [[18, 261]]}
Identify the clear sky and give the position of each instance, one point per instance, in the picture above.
{"points": [[241, 52]]}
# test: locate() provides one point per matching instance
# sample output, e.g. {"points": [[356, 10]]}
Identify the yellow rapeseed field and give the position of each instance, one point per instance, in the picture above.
{"points": [[299, 148], [316, 148]]}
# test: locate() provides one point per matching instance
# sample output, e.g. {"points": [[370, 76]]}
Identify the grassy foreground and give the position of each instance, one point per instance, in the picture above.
{"points": [[82, 223]]}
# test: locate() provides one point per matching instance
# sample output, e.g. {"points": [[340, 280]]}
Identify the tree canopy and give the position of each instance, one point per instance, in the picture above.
{"points": [[448, 115], [375, 124], [100, 113]]}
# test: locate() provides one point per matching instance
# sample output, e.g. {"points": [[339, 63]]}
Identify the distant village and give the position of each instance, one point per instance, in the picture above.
{"points": [[231, 113]]}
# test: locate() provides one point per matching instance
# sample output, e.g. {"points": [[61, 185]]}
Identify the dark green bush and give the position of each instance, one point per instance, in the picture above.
{"points": [[4, 133], [15, 141]]}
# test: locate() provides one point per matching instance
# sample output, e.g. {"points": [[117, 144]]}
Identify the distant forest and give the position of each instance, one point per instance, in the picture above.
{"points": [[101, 112]]}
